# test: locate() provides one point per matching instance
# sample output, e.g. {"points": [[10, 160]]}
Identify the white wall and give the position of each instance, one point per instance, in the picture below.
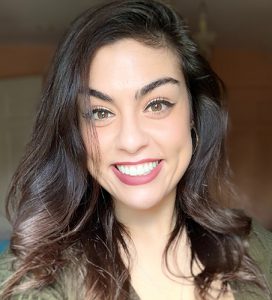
{"points": [[18, 101]]}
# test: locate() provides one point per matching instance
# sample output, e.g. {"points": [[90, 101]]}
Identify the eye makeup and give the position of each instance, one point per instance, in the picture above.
{"points": [[159, 104], [98, 113], [157, 107]]}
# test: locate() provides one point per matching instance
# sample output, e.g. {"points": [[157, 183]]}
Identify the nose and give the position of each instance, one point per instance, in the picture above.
{"points": [[132, 136]]}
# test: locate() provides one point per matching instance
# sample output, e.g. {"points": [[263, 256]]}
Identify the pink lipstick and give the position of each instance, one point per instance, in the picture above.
{"points": [[138, 179]]}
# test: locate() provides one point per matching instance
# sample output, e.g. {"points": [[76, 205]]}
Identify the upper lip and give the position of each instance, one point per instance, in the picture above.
{"points": [[142, 161]]}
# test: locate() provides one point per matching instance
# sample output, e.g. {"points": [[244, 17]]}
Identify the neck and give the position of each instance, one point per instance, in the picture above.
{"points": [[150, 230]]}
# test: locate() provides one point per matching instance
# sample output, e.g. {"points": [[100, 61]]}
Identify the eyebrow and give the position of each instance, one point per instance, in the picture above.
{"points": [[140, 93]]}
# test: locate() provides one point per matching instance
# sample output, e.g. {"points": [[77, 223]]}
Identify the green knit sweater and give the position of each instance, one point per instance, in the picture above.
{"points": [[260, 250]]}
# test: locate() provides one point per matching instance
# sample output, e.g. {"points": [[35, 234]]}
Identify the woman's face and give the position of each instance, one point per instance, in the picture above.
{"points": [[140, 108]]}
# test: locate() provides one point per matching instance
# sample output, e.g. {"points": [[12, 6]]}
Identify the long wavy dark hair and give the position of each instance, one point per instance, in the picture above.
{"points": [[63, 220]]}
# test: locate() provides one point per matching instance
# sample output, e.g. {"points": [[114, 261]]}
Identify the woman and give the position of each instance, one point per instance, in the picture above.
{"points": [[120, 193]]}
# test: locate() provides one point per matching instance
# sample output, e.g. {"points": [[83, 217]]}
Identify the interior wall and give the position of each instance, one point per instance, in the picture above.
{"points": [[24, 59], [248, 78], [22, 67], [18, 101]]}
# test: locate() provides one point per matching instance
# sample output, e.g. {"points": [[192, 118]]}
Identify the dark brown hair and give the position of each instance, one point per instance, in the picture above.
{"points": [[61, 217]]}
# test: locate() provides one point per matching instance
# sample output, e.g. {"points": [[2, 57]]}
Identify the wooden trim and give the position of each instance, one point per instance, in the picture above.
{"points": [[24, 60]]}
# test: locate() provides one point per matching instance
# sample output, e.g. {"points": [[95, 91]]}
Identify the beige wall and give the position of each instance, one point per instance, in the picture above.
{"points": [[248, 77], [18, 99], [21, 70]]}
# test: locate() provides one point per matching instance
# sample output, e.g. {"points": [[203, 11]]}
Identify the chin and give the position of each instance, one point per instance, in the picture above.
{"points": [[143, 201]]}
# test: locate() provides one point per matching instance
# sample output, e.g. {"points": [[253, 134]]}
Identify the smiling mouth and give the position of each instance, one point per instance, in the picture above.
{"points": [[139, 169]]}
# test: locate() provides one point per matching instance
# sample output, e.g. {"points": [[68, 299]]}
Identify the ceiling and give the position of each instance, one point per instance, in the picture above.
{"points": [[237, 23]]}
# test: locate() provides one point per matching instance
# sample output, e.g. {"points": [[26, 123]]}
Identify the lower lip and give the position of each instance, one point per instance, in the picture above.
{"points": [[137, 180]]}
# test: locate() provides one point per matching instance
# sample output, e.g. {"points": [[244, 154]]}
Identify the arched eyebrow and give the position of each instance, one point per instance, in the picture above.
{"points": [[153, 85], [140, 93]]}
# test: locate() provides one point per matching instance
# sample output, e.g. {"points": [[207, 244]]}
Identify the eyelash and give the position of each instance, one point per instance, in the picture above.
{"points": [[161, 101], [100, 109]]}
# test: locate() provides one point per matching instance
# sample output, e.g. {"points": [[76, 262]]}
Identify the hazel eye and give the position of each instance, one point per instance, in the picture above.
{"points": [[101, 114], [158, 105], [98, 114]]}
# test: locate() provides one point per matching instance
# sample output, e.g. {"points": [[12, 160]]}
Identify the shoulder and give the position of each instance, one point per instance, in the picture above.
{"points": [[263, 235], [52, 292], [5, 267], [260, 248]]}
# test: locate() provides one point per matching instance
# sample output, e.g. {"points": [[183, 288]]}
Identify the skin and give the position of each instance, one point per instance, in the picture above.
{"points": [[132, 132], [130, 127]]}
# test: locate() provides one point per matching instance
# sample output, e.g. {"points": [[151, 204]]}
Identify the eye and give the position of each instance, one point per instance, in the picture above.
{"points": [[101, 114], [98, 114], [158, 105]]}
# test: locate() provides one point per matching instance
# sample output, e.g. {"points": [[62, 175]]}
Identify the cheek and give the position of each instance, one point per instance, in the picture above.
{"points": [[105, 141], [180, 129], [86, 137], [91, 145], [181, 136], [175, 133]]}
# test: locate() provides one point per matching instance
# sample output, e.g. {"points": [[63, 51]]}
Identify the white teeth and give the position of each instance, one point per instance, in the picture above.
{"points": [[137, 170]]}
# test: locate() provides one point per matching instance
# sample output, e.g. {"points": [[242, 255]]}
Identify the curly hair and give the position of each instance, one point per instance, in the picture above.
{"points": [[55, 204]]}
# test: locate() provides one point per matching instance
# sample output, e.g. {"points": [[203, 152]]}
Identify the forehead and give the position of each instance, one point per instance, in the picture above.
{"points": [[130, 64]]}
